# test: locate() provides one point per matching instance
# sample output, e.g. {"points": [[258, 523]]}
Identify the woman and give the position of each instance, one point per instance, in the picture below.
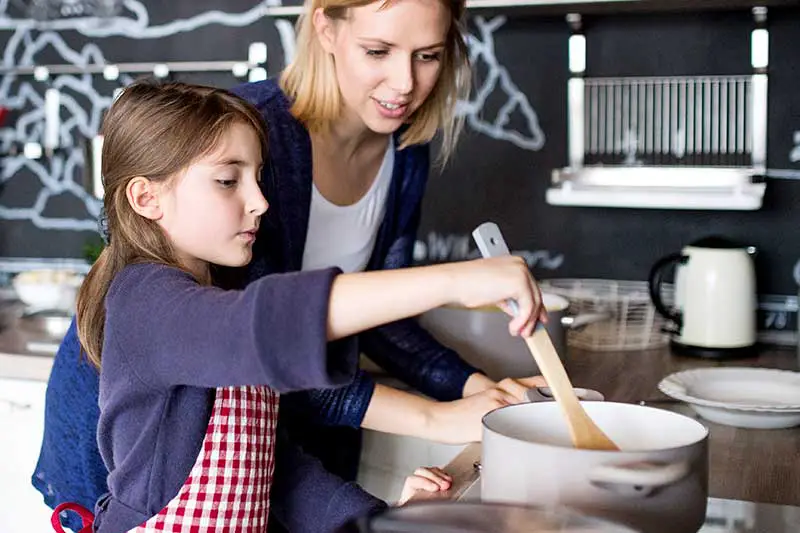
{"points": [[349, 126]]}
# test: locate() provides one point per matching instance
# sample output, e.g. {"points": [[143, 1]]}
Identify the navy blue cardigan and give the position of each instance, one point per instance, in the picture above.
{"points": [[70, 467]]}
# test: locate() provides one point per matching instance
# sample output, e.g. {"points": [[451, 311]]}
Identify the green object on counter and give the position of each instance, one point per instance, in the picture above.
{"points": [[92, 249]]}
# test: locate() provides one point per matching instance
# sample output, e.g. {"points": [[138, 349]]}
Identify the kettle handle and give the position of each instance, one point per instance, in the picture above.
{"points": [[654, 285]]}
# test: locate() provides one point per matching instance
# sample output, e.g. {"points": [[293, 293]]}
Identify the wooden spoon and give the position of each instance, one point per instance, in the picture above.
{"points": [[584, 432]]}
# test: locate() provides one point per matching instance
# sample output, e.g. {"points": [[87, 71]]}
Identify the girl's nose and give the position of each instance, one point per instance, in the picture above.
{"points": [[257, 204]]}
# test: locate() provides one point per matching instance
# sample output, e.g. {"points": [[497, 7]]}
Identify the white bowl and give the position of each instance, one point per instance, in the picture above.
{"points": [[47, 289]]}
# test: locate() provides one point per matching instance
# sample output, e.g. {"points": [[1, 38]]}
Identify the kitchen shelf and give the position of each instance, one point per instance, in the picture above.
{"points": [[658, 188]]}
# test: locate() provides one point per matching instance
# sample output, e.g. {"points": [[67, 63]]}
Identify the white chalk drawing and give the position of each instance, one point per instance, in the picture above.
{"points": [[481, 48], [439, 248], [82, 105]]}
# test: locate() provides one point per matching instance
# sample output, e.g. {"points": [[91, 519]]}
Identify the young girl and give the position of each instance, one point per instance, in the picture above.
{"points": [[190, 372]]}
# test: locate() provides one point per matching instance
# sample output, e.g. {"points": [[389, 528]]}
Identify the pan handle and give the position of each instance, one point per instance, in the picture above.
{"points": [[640, 478]]}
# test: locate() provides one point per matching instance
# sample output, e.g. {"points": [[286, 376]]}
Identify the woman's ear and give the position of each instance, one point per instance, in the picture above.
{"points": [[324, 28], [142, 195]]}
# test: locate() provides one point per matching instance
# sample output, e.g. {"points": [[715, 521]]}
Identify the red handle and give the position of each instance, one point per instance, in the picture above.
{"points": [[87, 517]]}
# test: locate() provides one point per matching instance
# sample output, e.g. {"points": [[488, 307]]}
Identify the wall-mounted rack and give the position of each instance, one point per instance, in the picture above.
{"points": [[237, 68], [253, 69], [696, 142]]}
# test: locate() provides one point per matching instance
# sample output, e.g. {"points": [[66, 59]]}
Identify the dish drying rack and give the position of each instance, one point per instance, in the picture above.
{"points": [[634, 323], [692, 142]]}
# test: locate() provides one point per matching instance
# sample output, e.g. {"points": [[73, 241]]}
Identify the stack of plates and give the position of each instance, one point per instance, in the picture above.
{"points": [[760, 398]]}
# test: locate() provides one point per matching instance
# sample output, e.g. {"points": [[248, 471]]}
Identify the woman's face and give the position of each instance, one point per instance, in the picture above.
{"points": [[388, 57]]}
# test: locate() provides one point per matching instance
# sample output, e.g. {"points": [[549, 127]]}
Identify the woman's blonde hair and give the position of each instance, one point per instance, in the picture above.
{"points": [[310, 79], [156, 131]]}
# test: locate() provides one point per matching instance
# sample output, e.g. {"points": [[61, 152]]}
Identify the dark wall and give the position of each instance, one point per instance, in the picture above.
{"points": [[498, 181]]}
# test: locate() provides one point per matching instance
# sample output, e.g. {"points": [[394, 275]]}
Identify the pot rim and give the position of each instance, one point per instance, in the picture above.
{"points": [[601, 453]]}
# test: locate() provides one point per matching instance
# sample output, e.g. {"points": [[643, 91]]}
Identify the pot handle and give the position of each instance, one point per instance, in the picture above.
{"points": [[544, 394], [581, 320], [654, 286], [640, 478]]}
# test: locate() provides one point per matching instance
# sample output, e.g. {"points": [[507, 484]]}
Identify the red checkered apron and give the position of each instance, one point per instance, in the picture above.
{"points": [[228, 486]]}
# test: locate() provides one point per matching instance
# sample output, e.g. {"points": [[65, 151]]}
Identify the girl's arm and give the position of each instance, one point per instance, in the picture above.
{"points": [[363, 300], [171, 331], [306, 498]]}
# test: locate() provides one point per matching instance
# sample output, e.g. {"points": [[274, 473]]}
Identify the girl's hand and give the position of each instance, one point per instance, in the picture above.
{"points": [[495, 281], [430, 479]]}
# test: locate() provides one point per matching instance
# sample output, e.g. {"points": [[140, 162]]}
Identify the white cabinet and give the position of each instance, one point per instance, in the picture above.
{"points": [[21, 425], [386, 461]]}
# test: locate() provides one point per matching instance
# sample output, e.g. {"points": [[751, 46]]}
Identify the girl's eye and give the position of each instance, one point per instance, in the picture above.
{"points": [[226, 184], [429, 57], [373, 52]]}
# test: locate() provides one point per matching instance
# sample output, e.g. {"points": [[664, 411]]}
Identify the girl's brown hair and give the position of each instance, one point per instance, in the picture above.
{"points": [[310, 79], [156, 131]]}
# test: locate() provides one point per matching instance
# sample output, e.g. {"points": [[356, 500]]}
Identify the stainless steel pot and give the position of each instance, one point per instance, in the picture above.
{"points": [[657, 483], [476, 517], [481, 336]]}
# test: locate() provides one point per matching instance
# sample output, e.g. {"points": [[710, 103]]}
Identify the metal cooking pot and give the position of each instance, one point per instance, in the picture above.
{"points": [[657, 482], [476, 517], [481, 335]]}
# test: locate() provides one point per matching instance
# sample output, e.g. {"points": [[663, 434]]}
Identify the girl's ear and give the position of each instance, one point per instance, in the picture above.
{"points": [[324, 28], [142, 195]]}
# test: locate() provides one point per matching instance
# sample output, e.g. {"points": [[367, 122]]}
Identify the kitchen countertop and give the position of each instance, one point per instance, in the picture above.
{"points": [[25, 351], [750, 469]]}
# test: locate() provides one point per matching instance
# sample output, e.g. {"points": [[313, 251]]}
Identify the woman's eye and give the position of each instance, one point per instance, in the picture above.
{"points": [[374, 52], [429, 57]]}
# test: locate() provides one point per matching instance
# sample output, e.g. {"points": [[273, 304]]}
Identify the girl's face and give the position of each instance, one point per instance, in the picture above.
{"points": [[211, 212], [387, 58]]}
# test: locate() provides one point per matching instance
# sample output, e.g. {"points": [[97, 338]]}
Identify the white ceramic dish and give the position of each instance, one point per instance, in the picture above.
{"points": [[759, 398]]}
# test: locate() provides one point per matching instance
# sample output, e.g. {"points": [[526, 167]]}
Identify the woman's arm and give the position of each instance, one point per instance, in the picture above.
{"points": [[457, 422]]}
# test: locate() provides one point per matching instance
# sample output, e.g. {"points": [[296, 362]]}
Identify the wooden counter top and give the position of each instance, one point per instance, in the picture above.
{"points": [[744, 464]]}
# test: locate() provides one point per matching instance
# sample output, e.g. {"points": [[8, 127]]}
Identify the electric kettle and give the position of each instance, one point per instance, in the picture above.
{"points": [[714, 315]]}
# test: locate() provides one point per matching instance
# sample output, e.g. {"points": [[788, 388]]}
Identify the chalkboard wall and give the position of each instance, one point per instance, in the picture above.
{"points": [[500, 172]]}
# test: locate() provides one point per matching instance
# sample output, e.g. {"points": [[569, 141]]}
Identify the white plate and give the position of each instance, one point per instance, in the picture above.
{"points": [[743, 397]]}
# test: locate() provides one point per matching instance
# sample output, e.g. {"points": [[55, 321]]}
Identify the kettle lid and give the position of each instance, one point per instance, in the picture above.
{"points": [[716, 242]]}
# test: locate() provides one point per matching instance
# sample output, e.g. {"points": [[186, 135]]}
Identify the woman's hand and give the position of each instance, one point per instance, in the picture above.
{"points": [[459, 421], [517, 387], [494, 281], [430, 479]]}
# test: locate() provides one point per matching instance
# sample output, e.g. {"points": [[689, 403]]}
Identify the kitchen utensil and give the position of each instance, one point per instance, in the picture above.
{"points": [[476, 517], [715, 299], [657, 483], [585, 434], [632, 323], [481, 336], [761, 398]]}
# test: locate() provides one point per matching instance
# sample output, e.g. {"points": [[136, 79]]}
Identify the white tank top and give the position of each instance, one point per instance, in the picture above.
{"points": [[344, 236]]}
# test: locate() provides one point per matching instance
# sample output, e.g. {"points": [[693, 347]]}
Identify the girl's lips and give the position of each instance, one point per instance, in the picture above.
{"points": [[249, 236]]}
